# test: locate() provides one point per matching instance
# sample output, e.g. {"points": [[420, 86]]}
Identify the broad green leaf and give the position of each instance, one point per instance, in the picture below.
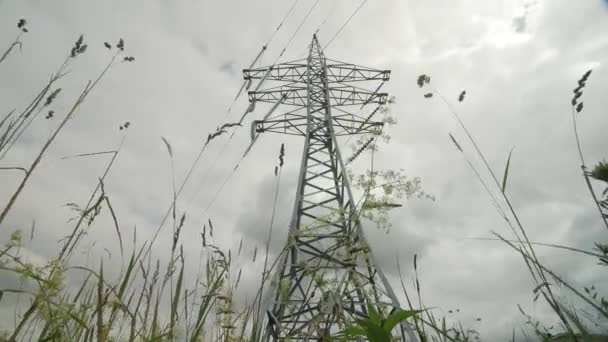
{"points": [[504, 178], [353, 331], [374, 316], [374, 332], [397, 317]]}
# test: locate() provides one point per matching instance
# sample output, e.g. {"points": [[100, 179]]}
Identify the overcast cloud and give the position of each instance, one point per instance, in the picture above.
{"points": [[518, 61]]}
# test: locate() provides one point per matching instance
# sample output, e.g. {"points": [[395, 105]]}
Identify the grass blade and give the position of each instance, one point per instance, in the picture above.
{"points": [[504, 178]]}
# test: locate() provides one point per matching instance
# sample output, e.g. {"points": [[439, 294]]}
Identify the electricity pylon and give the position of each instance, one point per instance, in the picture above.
{"points": [[327, 276]]}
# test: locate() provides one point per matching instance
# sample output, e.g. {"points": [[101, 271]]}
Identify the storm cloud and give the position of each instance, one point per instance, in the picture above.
{"points": [[517, 62]]}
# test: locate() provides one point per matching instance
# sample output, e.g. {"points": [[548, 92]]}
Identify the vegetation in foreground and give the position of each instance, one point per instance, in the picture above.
{"points": [[150, 300]]}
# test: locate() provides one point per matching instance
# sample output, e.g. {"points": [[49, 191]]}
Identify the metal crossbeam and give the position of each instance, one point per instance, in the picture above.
{"points": [[297, 126], [297, 96], [327, 277], [337, 72], [346, 72]]}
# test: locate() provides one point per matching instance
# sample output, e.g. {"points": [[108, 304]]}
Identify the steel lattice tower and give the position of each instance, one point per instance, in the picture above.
{"points": [[327, 275]]}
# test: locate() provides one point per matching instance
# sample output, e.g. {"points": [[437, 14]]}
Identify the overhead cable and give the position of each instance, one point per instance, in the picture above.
{"points": [[345, 23]]}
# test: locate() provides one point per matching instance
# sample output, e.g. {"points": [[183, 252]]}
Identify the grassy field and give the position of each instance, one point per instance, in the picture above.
{"points": [[150, 299]]}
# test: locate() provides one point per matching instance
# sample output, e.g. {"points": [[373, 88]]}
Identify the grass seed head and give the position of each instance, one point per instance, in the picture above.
{"points": [[423, 79], [50, 98], [461, 96], [600, 171]]}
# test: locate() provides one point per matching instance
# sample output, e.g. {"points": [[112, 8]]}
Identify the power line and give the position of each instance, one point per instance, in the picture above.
{"points": [[221, 152], [260, 54], [197, 159], [297, 30], [257, 87], [264, 47], [282, 22], [205, 174], [329, 13], [346, 23], [323, 22]]}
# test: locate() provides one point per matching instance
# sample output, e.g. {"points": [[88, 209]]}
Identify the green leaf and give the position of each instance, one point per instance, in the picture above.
{"points": [[175, 302], [354, 331], [374, 316], [374, 332], [397, 317], [504, 178]]}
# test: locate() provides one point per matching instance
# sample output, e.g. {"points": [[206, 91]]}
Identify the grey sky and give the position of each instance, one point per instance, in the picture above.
{"points": [[518, 61]]}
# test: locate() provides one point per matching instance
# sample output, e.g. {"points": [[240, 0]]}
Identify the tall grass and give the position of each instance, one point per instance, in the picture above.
{"points": [[573, 321], [154, 299], [150, 299]]}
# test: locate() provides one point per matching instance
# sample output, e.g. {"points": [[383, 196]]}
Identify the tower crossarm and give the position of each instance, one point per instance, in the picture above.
{"points": [[293, 72], [296, 125], [337, 72], [338, 96], [347, 95], [346, 125], [346, 72], [288, 95]]}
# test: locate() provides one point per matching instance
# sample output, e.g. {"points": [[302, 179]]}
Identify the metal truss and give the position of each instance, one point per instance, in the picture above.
{"points": [[293, 124], [327, 276], [298, 96], [337, 72]]}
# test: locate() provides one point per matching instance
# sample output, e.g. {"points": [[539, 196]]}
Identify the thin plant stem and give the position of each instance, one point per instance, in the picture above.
{"points": [[16, 42], [87, 89], [572, 249], [585, 170], [528, 246]]}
